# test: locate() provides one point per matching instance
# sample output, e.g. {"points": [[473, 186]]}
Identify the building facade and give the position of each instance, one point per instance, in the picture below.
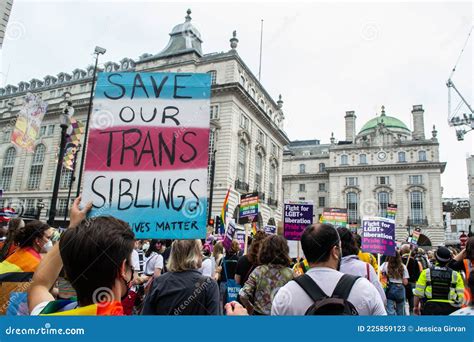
{"points": [[246, 137], [385, 162]]}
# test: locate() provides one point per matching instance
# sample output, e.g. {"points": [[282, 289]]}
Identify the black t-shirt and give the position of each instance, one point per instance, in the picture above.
{"points": [[412, 267], [182, 293], [230, 265], [244, 268]]}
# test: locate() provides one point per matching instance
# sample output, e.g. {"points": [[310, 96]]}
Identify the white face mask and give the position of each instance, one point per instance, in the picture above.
{"points": [[47, 246], [145, 247]]}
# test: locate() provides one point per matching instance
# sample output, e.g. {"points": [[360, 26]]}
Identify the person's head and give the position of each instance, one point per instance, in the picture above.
{"points": [[234, 248], [470, 248], [358, 240], [321, 245], [348, 243], [431, 255], [254, 248], [185, 256], [97, 256], [274, 250], [36, 235], [138, 244], [443, 255], [395, 266], [155, 247], [405, 249], [218, 249]]}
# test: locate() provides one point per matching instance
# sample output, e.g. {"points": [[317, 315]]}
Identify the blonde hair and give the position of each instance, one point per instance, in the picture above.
{"points": [[185, 255]]}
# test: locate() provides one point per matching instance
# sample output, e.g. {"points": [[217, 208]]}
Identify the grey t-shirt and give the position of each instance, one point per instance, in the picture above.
{"points": [[292, 300]]}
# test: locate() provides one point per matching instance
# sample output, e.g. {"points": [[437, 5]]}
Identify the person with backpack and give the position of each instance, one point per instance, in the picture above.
{"points": [[414, 268], [351, 264], [266, 279], [248, 262], [397, 275], [226, 273], [323, 290]]}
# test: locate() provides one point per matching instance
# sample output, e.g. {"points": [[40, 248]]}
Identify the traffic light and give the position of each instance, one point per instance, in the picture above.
{"points": [[211, 222], [217, 224]]}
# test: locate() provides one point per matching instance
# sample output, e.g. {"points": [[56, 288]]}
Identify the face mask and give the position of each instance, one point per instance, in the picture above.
{"points": [[128, 285], [47, 246], [146, 246]]}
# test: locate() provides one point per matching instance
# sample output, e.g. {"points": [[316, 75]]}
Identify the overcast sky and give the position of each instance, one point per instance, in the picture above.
{"points": [[323, 58]]}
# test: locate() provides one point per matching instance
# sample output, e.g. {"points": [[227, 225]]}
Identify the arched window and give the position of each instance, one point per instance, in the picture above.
{"points": [[416, 207], [66, 176], [242, 80], [383, 199], [36, 169], [363, 159], [322, 167], [213, 74], [401, 157], [258, 172], [302, 168], [344, 159], [252, 92], [242, 163], [352, 203], [421, 155], [7, 171]]}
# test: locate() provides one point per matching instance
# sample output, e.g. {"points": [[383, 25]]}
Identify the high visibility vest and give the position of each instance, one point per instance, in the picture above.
{"points": [[441, 283]]}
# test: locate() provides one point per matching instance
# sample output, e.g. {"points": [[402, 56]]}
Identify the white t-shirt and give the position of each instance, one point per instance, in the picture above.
{"points": [[206, 268], [292, 300], [153, 262], [406, 275]]}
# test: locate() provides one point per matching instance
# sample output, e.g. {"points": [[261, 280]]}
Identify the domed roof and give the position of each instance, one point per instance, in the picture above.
{"points": [[388, 121], [186, 27]]}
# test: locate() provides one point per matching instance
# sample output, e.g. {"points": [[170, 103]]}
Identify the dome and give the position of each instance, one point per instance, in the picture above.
{"points": [[388, 121]]}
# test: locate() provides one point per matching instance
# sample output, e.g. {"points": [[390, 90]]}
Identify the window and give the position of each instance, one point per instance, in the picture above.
{"points": [[212, 139], [306, 153], [322, 202], [252, 92], [344, 159], [421, 155], [322, 167], [352, 200], [272, 180], [258, 171], [61, 208], [83, 88], [50, 129], [213, 74], [66, 177], [363, 159], [274, 149], [322, 186], [415, 179], [242, 163], [7, 171], [383, 180], [416, 206], [261, 138], [383, 199], [401, 157], [42, 131], [242, 80], [302, 168], [214, 112], [302, 187], [244, 122], [351, 181], [36, 168], [7, 135], [30, 207]]}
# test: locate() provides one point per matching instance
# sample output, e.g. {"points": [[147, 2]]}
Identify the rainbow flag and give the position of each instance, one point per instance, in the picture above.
{"points": [[19, 266], [69, 308], [225, 206], [254, 228]]}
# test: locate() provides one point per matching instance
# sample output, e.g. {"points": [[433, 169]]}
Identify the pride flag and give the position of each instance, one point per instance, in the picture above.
{"points": [[225, 206], [20, 265], [69, 308]]}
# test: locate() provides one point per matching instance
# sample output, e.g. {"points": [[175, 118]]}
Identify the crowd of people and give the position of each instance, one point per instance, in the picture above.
{"points": [[97, 267]]}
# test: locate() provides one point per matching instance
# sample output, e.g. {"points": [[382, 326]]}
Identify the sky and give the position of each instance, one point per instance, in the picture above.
{"points": [[323, 58]]}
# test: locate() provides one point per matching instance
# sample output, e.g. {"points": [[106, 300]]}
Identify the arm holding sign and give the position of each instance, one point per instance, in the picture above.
{"points": [[49, 268]]}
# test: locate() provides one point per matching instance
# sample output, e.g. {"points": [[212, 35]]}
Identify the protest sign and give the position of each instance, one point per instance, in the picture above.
{"points": [[297, 216], [378, 235], [28, 123], [270, 230], [414, 237], [147, 152], [240, 236], [392, 211], [335, 216], [248, 208], [229, 235]]}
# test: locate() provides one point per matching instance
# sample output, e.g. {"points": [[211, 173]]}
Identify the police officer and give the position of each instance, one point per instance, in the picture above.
{"points": [[439, 289]]}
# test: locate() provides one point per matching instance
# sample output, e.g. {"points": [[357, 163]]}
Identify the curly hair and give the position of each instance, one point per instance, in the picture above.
{"points": [[274, 250]]}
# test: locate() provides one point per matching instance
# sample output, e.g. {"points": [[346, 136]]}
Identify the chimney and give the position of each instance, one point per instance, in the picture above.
{"points": [[418, 123], [350, 125]]}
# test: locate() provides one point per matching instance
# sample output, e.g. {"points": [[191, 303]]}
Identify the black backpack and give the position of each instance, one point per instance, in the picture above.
{"points": [[337, 304]]}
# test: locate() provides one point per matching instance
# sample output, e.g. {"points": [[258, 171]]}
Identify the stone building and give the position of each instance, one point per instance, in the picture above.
{"points": [[385, 162], [246, 126]]}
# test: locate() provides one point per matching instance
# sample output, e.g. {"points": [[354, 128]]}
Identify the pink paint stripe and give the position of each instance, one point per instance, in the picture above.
{"points": [[125, 148]]}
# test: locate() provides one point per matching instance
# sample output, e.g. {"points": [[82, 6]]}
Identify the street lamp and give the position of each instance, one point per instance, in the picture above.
{"points": [[39, 208], [97, 51], [64, 122]]}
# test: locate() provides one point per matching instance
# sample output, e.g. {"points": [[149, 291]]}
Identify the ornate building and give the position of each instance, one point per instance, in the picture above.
{"points": [[385, 162], [246, 126]]}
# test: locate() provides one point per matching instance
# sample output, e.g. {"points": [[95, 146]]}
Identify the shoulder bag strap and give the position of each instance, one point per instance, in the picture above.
{"points": [[368, 271], [310, 287], [344, 286]]}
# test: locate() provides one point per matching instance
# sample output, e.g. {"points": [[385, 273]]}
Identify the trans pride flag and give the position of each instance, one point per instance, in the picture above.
{"points": [[147, 152]]}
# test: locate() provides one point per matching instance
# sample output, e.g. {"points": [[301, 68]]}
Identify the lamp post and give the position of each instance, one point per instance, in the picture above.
{"points": [[64, 120], [39, 208], [97, 51]]}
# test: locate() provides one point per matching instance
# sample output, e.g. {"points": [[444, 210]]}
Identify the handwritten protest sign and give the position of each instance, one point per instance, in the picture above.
{"points": [[248, 208], [378, 235], [335, 216], [297, 216], [147, 152]]}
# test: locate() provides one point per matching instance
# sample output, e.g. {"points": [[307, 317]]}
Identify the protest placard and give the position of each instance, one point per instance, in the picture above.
{"points": [[147, 152], [297, 216], [229, 235], [378, 235], [335, 216], [392, 211], [270, 230], [414, 237], [248, 208]]}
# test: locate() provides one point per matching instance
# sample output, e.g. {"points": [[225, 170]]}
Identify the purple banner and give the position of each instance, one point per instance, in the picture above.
{"points": [[297, 217], [229, 235], [378, 236]]}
